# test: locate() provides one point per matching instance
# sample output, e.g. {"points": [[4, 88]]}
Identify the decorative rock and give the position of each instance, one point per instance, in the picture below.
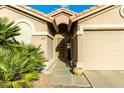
{"points": [[78, 71]]}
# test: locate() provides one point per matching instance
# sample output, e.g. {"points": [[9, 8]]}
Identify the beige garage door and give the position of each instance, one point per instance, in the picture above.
{"points": [[103, 50]]}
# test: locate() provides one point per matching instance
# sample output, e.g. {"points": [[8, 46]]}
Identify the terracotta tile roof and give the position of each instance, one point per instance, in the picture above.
{"points": [[50, 15], [67, 10], [74, 14], [34, 11], [62, 10], [87, 11]]}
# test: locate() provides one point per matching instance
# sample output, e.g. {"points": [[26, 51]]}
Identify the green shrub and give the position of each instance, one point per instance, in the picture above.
{"points": [[31, 76], [20, 63], [7, 30], [16, 84]]}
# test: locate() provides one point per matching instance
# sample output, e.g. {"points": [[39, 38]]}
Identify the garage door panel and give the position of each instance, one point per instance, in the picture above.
{"points": [[103, 50]]}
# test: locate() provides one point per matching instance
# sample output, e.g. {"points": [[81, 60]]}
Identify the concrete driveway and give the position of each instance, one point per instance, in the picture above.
{"points": [[106, 79], [93, 78]]}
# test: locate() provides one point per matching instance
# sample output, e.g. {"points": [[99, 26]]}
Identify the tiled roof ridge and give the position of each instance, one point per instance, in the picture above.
{"points": [[49, 15], [64, 9], [69, 11]]}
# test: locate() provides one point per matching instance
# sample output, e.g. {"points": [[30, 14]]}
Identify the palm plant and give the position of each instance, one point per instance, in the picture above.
{"points": [[22, 63], [7, 30], [19, 63]]}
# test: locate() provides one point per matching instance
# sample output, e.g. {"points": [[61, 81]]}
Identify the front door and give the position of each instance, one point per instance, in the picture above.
{"points": [[61, 49]]}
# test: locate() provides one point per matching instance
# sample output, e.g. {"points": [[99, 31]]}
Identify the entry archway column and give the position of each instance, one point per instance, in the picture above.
{"points": [[80, 48]]}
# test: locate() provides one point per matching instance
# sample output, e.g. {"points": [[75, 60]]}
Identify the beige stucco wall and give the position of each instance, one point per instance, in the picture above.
{"points": [[62, 19], [41, 34], [47, 45], [108, 16], [39, 25], [15, 15], [40, 40], [102, 50], [50, 55], [50, 48], [82, 41]]}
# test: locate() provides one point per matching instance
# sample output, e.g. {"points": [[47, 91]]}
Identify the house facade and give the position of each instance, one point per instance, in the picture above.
{"points": [[91, 40]]}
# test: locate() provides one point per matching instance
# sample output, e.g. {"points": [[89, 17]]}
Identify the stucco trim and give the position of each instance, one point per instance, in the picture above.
{"points": [[78, 33], [102, 27], [98, 27], [2, 7], [42, 34], [55, 26], [61, 10], [50, 66], [122, 11], [33, 32], [26, 21]]}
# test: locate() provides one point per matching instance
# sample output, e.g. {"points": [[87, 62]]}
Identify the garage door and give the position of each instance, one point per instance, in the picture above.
{"points": [[103, 50]]}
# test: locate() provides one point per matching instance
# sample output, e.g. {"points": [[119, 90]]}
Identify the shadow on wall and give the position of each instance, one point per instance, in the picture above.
{"points": [[61, 48]]}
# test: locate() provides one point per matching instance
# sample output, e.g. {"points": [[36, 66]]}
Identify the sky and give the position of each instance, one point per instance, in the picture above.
{"points": [[49, 8]]}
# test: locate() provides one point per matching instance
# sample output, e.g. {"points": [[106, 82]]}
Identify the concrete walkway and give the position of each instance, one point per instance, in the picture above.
{"points": [[63, 77], [96, 79]]}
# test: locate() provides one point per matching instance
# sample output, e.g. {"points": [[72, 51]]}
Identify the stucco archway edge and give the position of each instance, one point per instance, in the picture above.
{"points": [[62, 19], [33, 31], [17, 21]]}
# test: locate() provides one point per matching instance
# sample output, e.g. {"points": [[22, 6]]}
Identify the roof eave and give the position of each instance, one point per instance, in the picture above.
{"points": [[90, 13], [42, 17], [62, 10]]}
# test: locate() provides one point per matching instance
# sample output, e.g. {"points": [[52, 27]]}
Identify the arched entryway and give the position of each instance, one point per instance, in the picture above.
{"points": [[62, 45]]}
